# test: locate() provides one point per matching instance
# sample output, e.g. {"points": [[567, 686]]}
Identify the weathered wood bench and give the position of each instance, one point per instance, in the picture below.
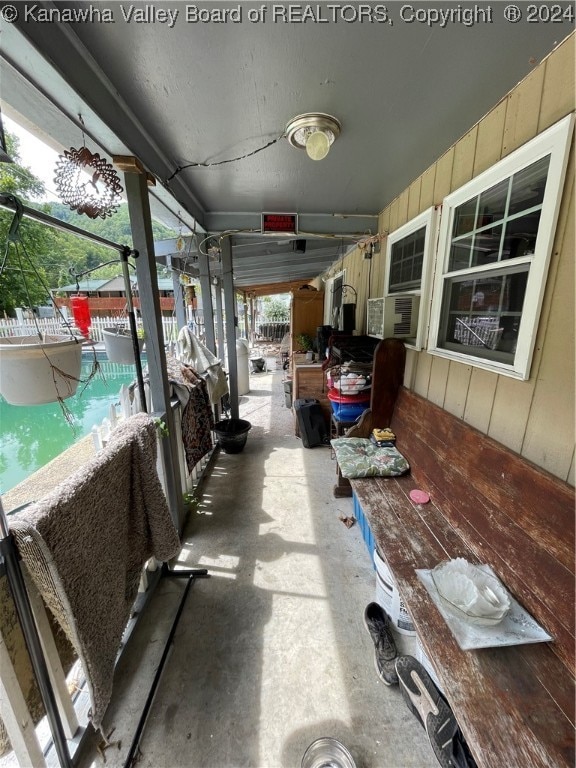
{"points": [[515, 705]]}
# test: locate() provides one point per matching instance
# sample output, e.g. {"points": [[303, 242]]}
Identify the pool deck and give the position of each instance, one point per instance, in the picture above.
{"points": [[50, 475]]}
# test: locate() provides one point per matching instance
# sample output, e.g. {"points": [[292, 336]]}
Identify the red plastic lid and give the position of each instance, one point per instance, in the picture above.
{"points": [[337, 397], [419, 497]]}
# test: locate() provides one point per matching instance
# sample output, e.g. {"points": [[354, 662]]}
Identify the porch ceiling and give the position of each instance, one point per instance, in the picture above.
{"points": [[182, 92]]}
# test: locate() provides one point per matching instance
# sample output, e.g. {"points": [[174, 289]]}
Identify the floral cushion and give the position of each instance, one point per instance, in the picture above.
{"points": [[358, 457]]}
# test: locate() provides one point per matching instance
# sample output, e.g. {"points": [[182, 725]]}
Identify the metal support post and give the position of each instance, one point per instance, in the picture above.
{"points": [[143, 239], [21, 601], [220, 321], [229, 308], [207, 308]]}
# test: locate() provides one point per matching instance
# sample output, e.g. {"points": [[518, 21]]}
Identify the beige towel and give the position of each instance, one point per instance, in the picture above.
{"points": [[85, 544]]}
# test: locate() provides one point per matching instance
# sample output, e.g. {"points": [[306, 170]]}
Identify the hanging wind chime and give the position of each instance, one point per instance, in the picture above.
{"points": [[86, 182]]}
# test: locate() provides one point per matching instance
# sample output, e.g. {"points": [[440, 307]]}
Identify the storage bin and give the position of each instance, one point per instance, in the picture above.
{"points": [[348, 407], [364, 526], [388, 597], [348, 411], [422, 657]]}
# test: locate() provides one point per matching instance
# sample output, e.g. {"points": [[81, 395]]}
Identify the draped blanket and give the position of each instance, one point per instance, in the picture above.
{"points": [[85, 544], [205, 363], [197, 418]]}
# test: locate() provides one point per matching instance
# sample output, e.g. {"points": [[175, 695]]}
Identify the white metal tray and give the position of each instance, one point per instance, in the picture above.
{"points": [[517, 628]]}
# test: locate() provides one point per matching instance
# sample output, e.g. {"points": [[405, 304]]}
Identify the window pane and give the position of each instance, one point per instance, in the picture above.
{"points": [[486, 248], [464, 218], [406, 260], [528, 186], [520, 237], [460, 254], [492, 205], [482, 317]]}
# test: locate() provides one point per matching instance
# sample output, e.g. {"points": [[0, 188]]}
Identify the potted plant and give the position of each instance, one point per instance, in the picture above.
{"points": [[305, 344], [119, 346], [39, 369]]}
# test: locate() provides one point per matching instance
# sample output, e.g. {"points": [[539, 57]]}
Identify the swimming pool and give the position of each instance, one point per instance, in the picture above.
{"points": [[31, 436]]}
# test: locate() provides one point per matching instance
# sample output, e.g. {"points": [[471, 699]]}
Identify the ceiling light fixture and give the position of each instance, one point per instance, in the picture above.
{"points": [[315, 132]]}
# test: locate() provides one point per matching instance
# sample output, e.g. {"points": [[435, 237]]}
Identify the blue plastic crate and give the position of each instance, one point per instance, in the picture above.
{"points": [[365, 528], [348, 411]]}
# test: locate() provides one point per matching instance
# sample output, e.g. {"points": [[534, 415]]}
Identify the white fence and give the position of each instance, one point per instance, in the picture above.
{"points": [[55, 326]]}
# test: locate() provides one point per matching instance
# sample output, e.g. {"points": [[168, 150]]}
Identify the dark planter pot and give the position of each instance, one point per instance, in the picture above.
{"points": [[258, 364], [232, 434]]}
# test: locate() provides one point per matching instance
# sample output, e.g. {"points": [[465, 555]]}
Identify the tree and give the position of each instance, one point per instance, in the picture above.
{"points": [[276, 309], [23, 276]]}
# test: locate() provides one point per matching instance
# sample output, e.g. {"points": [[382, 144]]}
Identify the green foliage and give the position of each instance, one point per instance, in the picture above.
{"points": [[161, 427], [276, 309], [191, 501], [305, 342]]}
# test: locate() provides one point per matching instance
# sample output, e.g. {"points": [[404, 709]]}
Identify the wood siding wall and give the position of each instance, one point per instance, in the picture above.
{"points": [[534, 418]]}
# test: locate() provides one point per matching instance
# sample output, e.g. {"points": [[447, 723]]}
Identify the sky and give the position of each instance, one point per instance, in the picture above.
{"points": [[35, 155]]}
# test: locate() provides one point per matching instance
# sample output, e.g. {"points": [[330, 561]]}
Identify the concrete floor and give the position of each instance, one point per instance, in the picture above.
{"points": [[271, 651]]}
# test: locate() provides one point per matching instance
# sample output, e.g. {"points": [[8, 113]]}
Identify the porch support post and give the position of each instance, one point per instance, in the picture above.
{"points": [[246, 318], [220, 322], [178, 300], [135, 181], [229, 307], [207, 308], [252, 321]]}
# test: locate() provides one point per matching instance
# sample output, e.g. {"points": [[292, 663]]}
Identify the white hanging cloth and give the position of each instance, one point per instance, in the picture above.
{"points": [[204, 362]]}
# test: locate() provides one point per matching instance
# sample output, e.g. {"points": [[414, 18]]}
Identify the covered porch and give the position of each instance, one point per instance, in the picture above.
{"points": [[270, 651]]}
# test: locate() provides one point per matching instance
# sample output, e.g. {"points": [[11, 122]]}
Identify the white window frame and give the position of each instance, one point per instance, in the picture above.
{"points": [[555, 141], [329, 294], [429, 220]]}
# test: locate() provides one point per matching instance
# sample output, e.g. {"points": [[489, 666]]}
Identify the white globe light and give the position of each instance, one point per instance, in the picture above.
{"points": [[317, 145]]}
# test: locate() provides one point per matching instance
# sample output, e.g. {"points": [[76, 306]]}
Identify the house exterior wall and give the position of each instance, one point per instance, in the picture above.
{"points": [[534, 418]]}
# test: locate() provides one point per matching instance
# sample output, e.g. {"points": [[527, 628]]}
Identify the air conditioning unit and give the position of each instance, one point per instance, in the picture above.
{"points": [[393, 316]]}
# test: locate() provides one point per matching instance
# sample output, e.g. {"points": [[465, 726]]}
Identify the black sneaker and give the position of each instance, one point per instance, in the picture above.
{"points": [[426, 702], [377, 623]]}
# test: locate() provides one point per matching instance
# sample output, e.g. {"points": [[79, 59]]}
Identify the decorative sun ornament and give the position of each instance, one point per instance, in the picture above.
{"points": [[87, 183]]}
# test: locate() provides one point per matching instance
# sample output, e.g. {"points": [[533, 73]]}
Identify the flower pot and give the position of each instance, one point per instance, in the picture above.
{"points": [[34, 371], [232, 434], [119, 347], [258, 364]]}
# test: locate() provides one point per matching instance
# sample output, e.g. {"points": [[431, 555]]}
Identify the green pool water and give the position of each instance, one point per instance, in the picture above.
{"points": [[31, 436]]}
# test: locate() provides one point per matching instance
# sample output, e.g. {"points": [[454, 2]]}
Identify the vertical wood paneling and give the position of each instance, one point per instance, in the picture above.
{"points": [[403, 208], [427, 188], [559, 84], [481, 389], [438, 380], [384, 222], [489, 139], [443, 178], [464, 153], [414, 198], [553, 404], [422, 377], [410, 368], [457, 388], [511, 406], [394, 217], [523, 111]]}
